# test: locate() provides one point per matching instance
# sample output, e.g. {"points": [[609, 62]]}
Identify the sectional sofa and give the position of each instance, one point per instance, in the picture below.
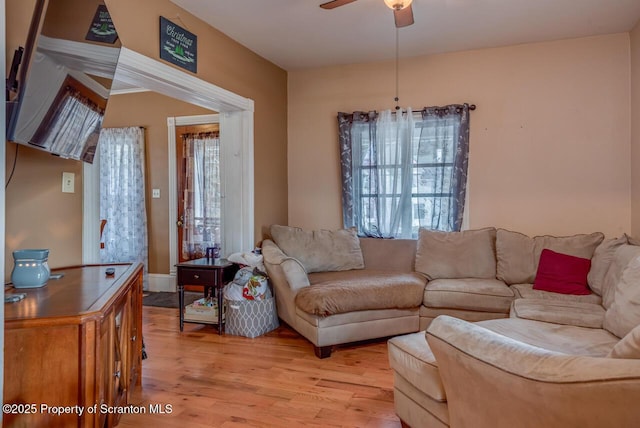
{"points": [[520, 331]]}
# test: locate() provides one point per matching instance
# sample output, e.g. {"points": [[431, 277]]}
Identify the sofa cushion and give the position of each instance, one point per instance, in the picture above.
{"points": [[562, 273], [559, 312], [518, 255], [629, 346], [358, 290], [567, 339], [389, 254], [624, 313], [621, 258], [320, 250], [526, 291], [467, 254], [411, 357], [472, 294], [601, 260]]}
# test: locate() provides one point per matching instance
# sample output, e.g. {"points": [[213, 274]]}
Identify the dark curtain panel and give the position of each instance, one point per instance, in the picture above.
{"points": [[449, 124], [351, 148]]}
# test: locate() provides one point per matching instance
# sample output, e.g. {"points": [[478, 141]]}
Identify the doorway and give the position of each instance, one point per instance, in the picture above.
{"points": [[236, 128], [199, 219]]}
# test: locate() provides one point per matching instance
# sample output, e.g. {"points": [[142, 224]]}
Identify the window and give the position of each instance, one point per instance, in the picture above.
{"points": [[404, 171]]}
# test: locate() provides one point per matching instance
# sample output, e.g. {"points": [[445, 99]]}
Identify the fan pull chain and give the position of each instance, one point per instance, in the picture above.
{"points": [[396, 99]]}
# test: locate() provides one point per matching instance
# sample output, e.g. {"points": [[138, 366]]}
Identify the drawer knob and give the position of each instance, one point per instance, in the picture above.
{"points": [[196, 276]]}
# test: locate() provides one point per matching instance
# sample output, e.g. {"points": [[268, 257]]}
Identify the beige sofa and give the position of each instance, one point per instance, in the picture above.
{"points": [[560, 360], [334, 288]]}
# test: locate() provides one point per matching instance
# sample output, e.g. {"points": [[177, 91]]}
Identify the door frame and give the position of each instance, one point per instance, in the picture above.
{"points": [[236, 117]]}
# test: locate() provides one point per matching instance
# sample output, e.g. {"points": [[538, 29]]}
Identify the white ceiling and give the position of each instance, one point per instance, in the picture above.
{"points": [[297, 34]]}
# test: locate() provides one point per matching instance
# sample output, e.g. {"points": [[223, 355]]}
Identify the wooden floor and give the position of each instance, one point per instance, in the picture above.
{"points": [[270, 381]]}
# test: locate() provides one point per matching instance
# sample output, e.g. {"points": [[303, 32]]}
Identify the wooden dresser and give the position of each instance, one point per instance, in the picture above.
{"points": [[73, 348]]}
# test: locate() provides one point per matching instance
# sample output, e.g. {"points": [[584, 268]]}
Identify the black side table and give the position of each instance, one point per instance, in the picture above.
{"points": [[212, 274]]}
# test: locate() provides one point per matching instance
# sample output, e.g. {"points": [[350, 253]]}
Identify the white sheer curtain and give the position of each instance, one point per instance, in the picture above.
{"points": [[383, 154], [395, 169], [404, 170], [122, 196], [76, 122]]}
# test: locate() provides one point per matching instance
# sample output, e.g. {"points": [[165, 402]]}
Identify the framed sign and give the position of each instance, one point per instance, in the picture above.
{"points": [[178, 46], [102, 28]]}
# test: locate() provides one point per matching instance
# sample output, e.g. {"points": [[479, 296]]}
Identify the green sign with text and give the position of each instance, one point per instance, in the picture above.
{"points": [[178, 46]]}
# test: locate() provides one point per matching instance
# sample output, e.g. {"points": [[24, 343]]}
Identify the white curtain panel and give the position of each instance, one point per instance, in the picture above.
{"points": [[122, 196], [395, 170], [202, 199], [73, 125]]}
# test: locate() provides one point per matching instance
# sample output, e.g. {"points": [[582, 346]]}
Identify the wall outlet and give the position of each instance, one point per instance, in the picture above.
{"points": [[68, 182], [155, 193]]}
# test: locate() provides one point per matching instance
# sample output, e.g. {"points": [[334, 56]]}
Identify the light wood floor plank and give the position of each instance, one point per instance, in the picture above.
{"points": [[271, 381]]}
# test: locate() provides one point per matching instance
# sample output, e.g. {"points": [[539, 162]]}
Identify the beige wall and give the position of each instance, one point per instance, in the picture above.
{"points": [[635, 130], [220, 61], [151, 110], [38, 214], [227, 64], [549, 150]]}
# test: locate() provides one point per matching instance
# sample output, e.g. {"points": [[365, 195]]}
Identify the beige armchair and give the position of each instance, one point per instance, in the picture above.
{"points": [[493, 381]]}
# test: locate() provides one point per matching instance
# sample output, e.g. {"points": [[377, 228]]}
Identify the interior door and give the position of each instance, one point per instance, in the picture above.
{"points": [[181, 181]]}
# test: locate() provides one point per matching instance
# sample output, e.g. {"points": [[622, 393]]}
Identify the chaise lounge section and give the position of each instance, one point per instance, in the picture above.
{"points": [[560, 359]]}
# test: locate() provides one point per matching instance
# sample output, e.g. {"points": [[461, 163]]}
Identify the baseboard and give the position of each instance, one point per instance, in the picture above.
{"points": [[162, 282]]}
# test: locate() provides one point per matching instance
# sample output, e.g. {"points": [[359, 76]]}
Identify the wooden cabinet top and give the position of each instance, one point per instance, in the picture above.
{"points": [[82, 290]]}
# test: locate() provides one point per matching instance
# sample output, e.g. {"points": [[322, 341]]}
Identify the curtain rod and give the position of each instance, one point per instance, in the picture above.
{"points": [[471, 107]]}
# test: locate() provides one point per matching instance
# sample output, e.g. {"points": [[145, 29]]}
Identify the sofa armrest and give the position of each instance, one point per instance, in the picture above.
{"points": [[495, 381], [293, 271]]}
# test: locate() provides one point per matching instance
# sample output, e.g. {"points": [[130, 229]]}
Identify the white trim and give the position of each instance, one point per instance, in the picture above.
{"points": [[140, 71], [238, 172], [93, 59], [201, 119], [173, 195], [127, 91], [91, 211], [162, 282]]}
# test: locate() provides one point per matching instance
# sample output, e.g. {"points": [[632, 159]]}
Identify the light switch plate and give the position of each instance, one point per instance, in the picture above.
{"points": [[68, 182]]}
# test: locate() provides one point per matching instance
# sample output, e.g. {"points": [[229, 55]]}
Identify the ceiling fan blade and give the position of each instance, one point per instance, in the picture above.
{"points": [[335, 3], [403, 17]]}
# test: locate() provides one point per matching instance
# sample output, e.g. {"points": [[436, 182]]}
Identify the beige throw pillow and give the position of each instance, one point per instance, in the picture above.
{"points": [[621, 258], [601, 261], [518, 254], [450, 255], [516, 257], [628, 347], [320, 250], [624, 313]]}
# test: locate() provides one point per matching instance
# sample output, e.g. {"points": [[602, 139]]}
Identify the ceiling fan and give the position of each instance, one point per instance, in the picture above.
{"points": [[402, 12]]}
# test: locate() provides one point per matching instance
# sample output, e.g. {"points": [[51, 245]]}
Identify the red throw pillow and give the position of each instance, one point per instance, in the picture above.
{"points": [[562, 273]]}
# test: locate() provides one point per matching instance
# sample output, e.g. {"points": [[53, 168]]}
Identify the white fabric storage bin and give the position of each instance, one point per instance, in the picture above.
{"points": [[250, 318]]}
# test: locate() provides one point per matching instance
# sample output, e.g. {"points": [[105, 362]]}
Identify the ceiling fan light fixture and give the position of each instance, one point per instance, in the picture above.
{"points": [[398, 4]]}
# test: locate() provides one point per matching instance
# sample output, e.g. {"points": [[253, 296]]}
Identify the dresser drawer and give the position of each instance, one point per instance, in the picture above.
{"points": [[188, 276]]}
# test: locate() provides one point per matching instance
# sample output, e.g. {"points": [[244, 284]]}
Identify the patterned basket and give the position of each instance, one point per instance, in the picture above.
{"points": [[250, 318]]}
